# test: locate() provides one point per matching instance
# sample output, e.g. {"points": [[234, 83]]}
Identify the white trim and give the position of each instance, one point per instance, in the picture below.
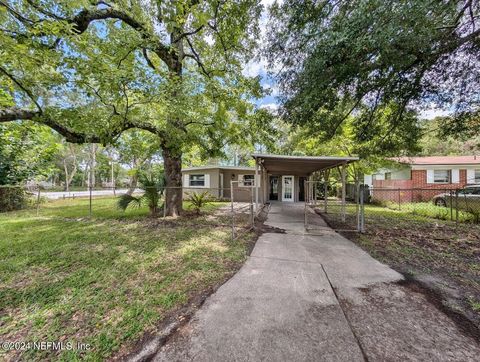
{"points": [[206, 184], [283, 189], [430, 177], [455, 174], [186, 180], [221, 185]]}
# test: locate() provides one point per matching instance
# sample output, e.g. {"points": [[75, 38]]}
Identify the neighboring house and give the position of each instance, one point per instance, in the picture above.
{"points": [[425, 173], [275, 177]]}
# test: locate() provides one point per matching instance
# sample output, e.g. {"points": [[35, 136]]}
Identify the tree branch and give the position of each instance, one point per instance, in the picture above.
{"points": [[22, 87]]}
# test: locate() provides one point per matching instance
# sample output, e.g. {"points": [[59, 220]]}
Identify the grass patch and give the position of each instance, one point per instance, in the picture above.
{"points": [[105, 280]]}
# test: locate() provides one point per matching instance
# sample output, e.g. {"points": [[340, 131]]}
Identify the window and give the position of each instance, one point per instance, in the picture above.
{"points": [[477, 176], [388, 175], [197, 180], [248, 180], [442, 176]]}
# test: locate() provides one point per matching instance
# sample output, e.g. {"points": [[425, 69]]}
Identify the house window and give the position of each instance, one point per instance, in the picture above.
{"points": [[248, 180], [477, 176], [197, 180], [442, 176], [388, 175]]}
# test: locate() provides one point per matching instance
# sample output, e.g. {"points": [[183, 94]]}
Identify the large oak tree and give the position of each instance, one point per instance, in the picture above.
{"points": [[92, 69], [378, 61]]}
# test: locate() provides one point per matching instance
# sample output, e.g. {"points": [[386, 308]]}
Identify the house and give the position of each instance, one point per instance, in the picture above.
{"points": [[274, 177], [430, 174], [217, 180]]}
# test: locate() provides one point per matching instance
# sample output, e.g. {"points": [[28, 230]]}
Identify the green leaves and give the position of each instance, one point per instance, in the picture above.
{"points": [[364, 56]]}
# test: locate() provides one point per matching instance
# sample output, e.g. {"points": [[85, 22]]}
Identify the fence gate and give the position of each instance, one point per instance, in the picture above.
{"points": [[342, 210]]}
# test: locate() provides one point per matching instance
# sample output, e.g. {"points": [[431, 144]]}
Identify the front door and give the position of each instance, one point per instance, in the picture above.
{"points": [[273, 188], [287, 188]]}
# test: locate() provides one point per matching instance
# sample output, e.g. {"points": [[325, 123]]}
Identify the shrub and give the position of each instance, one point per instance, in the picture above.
{"points": [[13, 198], [199, 200]]}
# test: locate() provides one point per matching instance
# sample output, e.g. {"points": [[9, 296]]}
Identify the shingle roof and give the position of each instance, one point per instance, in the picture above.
{"points": [[439, 160]]}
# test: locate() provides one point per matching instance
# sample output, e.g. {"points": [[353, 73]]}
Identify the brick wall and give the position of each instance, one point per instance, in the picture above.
{"points": [[415, 190]]}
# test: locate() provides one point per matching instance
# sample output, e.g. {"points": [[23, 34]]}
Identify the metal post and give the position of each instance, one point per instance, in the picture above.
{"points": [[305, 187], [451, 205], [325, 190], [357, 203], [399, 196], [38, 201], [90, 200], [362, 210], [255, 183], [165, 203], [231, 210], [456, 206], [343, 192]]}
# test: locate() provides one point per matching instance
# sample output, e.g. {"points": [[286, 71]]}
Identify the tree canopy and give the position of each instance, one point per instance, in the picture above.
{"points": [[91, 70], [342, 58]]}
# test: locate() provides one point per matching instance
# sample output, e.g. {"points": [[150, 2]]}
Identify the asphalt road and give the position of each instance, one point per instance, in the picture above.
{"points": [[55, 195]]}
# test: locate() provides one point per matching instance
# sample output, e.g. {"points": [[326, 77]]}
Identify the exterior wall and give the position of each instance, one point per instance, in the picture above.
{"points": [[212, 185], [240, 194], [417, 189]]}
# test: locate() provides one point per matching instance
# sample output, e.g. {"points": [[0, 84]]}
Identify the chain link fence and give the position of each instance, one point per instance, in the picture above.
{"points": [[223, 207]]}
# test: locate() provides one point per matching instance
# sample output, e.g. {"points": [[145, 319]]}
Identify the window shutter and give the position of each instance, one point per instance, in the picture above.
{"points": [[207, 180], [470, 176], [258, 180], [455, 176], [430, 178], [186, 180], [240, 180]]}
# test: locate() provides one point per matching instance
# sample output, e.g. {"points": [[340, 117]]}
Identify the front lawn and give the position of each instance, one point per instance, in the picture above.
{"points": [[441, 253], [107, 280]]}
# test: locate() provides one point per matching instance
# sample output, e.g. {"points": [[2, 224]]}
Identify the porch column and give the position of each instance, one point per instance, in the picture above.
{"points": [[343, 191], [256, 185], [325, 189]]}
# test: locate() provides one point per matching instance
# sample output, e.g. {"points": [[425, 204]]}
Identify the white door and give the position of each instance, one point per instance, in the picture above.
{"points": [[287, 188]]}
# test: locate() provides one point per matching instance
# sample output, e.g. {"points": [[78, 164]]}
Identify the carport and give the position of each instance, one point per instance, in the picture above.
{"points": [[283, 178]]}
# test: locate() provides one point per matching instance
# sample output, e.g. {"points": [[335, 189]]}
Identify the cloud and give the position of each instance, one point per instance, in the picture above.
{"points": [[270, 106], [432, 113]]}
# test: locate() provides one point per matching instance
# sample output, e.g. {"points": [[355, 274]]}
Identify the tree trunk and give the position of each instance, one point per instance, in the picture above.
{"points": [[133, 183], [173, 176]]}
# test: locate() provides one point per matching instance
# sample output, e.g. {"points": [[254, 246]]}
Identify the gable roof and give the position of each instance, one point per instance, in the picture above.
{"points": [[439, 160]]}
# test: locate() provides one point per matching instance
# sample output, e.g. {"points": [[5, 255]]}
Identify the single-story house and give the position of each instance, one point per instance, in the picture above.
{"points": [[424, 173], [274, 177]]}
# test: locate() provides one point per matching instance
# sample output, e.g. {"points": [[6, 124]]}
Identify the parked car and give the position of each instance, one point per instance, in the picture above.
{"points": [[468, 199]]}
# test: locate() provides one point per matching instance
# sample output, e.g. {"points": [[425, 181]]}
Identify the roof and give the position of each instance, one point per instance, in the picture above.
{"points": [[211, 167], [300, 164], [439, 160]]}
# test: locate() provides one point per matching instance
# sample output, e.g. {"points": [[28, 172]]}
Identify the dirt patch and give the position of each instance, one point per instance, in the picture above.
{"points": [[441, 256]]}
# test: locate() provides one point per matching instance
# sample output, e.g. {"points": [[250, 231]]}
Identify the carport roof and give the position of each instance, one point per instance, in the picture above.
{"points": [[300, 164]]}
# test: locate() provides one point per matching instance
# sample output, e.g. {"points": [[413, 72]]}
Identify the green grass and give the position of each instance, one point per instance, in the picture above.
{"points": [[105, 280]]}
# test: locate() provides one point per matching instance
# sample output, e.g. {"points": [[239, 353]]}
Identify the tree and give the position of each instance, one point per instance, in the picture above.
{"points": [[26, 151], [342, 58], [136, 148], [91, 70]]}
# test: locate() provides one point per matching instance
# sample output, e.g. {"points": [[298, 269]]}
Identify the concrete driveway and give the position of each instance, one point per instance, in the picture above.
{"points": [[316, 297]]}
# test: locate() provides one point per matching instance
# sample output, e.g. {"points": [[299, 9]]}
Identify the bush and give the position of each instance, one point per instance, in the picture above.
{"points": [[199, 200], [13, 198]]}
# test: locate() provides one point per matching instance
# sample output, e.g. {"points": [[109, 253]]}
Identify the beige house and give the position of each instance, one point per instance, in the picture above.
{"points": [[274, 178]]}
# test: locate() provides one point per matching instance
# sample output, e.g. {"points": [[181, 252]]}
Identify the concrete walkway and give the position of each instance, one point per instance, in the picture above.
{"points": [[316, 297]]}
